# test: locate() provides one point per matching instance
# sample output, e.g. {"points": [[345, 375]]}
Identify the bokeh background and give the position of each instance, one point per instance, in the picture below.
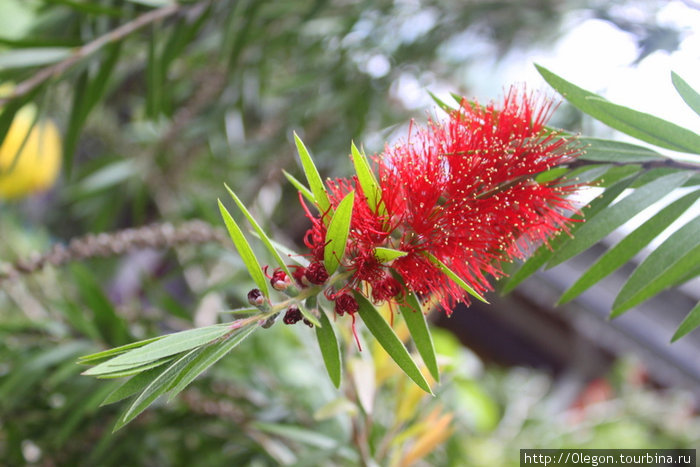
{"points": [[170, 100]]}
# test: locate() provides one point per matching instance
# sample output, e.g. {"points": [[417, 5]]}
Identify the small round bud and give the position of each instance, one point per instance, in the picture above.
{"points": [[292, 316], [280, 280], [316, 273], [256, 297]]}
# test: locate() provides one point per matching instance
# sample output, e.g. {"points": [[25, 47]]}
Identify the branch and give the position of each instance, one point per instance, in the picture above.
{"points": [[668, 163], [115, 35], [116, 243]]}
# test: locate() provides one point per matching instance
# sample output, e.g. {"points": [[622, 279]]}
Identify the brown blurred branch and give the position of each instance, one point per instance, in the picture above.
{"points": [[116, 243], [115, 35]]}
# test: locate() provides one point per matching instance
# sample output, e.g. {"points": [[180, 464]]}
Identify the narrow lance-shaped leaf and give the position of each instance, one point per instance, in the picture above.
{"points": [[603, 150], [384, 255], [545, 252], [300, 187], [617, 256], [417, 325], [134, 370], [106, 354], [308, 315], [244, 249], [337, 233], [664, 267], [637, 124], [312, 176], [689, 95], [368, 181], [690, 322], [596, 228], [386, 337], [440, 103], [458, 280], [330, 352], [134, 385], [171, 344], [261, 233]]}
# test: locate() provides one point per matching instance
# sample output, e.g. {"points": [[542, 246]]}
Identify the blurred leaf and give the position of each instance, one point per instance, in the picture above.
{"points": [[664, 267], [134, 385], [454, 277], [300, 435], [420, 333], [134, 370], [261, 233], [384, 255], [368, 182], [36, 56], [545, 252], [441, 103], [689, 95], [106, 354], [636, 124], [166, 346], [603, 150], [337, 233], [312, 176], [112, 327], [690, 322], [300, 187], [386, 337], [597, 227], [630, 245], [244, 249], [328, 344]]}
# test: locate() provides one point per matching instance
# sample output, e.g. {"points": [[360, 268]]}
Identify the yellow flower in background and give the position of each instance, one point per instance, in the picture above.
{"points": [[30, 157]]}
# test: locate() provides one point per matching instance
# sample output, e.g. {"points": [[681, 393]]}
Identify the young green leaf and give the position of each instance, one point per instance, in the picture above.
{"points": [[330, 352], [664, 267], [107, 354], [211, 354], [134, 385], [690, 322], [312, 176], [368, 181], [440, 103], [455, 278], [157, 387], [386, 337], [300, 187], [418, 327], [337, 233], [261, 233], [689, 95], [166, 346], [617, 256], [545, 252], [637, 124], [597, 227], [384, 255], [134, 370], [244, 249], [603, 150]]}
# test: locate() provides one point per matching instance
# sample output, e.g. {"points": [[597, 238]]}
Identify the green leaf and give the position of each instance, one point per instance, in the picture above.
{"points": [[136, 369], [689, 95], [458, 280], [386, 337], [337, 233], [663, 268], [134, 385], [617, 256], [261, 233], [36, 56], [328, 344], [603, 150], [441, 103], [597, 227], [637, 124], [166, 346], [690, 322], [368, 181], [312, 176], [158, 386], [545, 252], [384, 255], [420, 333], [300, 187], [106, 354], [244, 249], [211, 354], [308, 315]]}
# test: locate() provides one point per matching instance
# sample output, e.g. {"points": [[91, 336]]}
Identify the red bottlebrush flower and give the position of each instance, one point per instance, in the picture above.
{"points": [[462, 191], [316, 273], [292, 315], [345, 303]]}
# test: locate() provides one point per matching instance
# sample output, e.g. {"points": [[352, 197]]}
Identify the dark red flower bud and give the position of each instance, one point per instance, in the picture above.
{"points": [[386, 289], [280, 280], [316, 273], [345, 303], [256, 297], [292, 316]]}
